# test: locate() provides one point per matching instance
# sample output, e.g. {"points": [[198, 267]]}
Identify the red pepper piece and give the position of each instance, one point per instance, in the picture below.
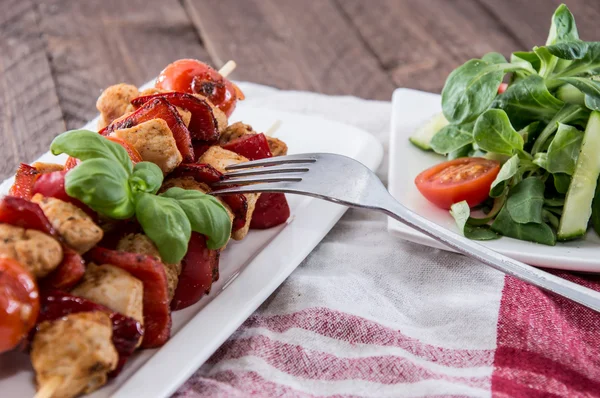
{"points": [[68, 273], [203, 124], [71, 163], [250, 146], [126, 331], [199, 268], [271, 209], [207, 174], [157, 317], [25, 214], [24, 181], [159, 108]]}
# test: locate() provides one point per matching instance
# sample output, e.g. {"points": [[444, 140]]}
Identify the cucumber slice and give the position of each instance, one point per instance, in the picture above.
{"points": [[570, 94], [578, 202], [424, 134]]}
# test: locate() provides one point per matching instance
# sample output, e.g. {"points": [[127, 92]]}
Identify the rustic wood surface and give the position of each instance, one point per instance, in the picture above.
{"points": [[57, 55]]}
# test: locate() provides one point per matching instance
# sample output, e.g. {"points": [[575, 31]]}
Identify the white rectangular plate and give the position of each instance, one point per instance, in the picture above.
{"points": [[250, 270], [412, 108]]}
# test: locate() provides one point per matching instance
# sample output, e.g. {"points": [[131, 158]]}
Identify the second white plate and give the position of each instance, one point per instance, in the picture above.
{"points": [[412, 108]]}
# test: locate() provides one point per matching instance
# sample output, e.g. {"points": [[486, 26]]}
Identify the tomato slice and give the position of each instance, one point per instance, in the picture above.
{"points": [[19, 303], [195, 77], [460, 179]]}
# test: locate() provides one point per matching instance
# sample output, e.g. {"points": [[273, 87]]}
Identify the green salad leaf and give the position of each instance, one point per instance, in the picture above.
{"points": [[451, 138], [494, 133], [461, 213], [564, 150], [525, 201], [506, 173]]}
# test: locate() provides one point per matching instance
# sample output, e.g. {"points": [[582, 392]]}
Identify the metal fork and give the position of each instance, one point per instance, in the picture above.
{"points": [[346, 181]]}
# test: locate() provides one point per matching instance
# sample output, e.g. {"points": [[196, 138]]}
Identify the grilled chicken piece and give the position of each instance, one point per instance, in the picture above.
{"points": [[75, 352], [220, 158], [141, 244], [186, 115], [239, 129], [48, 167], [219, 115], [39, 252], [114, 102], [114, 288], [152, 91], [75, 226], [155, 143]]}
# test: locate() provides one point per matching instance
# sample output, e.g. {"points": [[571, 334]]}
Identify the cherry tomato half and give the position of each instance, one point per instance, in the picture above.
{"points": [[19, 303], [457, 180], [195, 77], [502, 88]]}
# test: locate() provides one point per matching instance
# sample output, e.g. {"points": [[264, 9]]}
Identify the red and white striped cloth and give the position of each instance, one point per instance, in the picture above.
{"points": [[370, 315]]}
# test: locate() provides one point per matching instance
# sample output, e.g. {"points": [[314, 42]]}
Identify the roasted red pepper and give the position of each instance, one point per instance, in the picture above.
{"points": [[250, 146], [25, 214], [52, 185], [271, 209], [68, 273], [199, 268], [157, 317], [203, 125], [24, 180], [159, 108], [207, 174], [126, 331], [199, 149], [71, 163]]}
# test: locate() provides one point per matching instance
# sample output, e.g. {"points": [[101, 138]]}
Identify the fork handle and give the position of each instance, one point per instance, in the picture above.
{"points": [[535, 276]]}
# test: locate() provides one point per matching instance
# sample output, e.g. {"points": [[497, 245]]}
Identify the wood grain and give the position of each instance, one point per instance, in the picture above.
{"points": [[307, 45], [30, 114], [96, 43], [421, 42], [530, 20]]}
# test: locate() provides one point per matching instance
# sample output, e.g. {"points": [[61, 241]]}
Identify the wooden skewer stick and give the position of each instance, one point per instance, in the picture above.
{"points": [[274, 127], [227, 68], [47, 390]]}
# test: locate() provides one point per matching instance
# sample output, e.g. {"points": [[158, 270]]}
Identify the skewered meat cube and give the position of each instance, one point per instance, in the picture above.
{"points": [[74, 225], [75, 352], [39, 252], [141, 244], [114, 288], [220, 158], [155, 143], [186, 115], [114, 102], [239, 129], [219, 115]]}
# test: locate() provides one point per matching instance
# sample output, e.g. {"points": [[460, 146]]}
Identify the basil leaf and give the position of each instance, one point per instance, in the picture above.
{"points": [[532, 232], [563, 26], [494, 58], [494, 133], [507, 171], [461, 212], [85, 144], [103, 185], [450, 138], [561, 182], [206, 214], [471, 88], [525, 201], [166, 224], [564, 150], [527, 101], [146, 177]]}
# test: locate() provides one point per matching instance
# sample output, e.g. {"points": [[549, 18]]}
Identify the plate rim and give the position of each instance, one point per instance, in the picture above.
{"points": [[561, 261]]}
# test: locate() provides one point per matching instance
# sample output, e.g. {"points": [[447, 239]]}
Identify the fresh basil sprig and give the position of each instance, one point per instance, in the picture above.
{"points": [[107, 181]]}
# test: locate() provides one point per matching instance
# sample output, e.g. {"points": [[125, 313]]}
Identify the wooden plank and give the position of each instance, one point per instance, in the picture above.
{"points": [[30, 115], [530, 20], [290, 44], [97, 43], [421, 42]]}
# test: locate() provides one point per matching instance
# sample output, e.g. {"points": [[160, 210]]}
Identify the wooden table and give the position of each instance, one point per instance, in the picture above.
{"points": [[56, 56]]}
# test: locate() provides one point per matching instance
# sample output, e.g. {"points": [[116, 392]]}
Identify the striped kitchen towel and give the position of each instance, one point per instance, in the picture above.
{"points": [[370, 315]]}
